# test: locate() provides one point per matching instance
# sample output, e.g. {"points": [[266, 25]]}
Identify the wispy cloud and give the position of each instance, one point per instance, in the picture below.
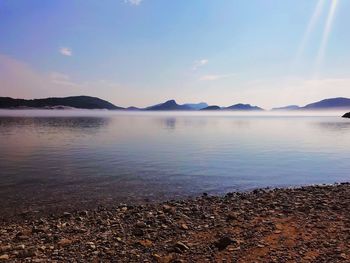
{"points": [[200, 63], [66, 51], [133, 2], [62, 79], [214, 77]]}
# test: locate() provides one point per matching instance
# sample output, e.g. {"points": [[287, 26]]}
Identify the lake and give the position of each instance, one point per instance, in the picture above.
{"points": [[76, 158]]}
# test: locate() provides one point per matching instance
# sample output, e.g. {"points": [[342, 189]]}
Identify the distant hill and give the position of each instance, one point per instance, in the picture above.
{"points": [[214, 107], [346, 115], [197, 106], [287, 108], [132, 108], [329, 104], [168, 105], [80, 102], [243, 107]]}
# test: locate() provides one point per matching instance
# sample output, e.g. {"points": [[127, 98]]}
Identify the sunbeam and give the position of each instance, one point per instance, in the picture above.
{"points": [[326, 33], [313, 20]]}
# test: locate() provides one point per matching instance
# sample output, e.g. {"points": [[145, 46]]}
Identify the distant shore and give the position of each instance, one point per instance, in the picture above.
{"points": [[305, 224]]}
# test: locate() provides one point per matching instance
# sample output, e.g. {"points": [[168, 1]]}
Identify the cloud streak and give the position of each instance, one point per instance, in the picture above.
{"points": [[133, 2], [199, 63], [66, 51], [214, 77], [62, 79]]}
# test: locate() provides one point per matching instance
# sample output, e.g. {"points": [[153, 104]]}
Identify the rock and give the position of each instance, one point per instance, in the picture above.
{"points": [[146, 243], [163, 259], [168, 209], [91, 245], [141, 225], [184, 227], [231, 216], [5, 248], [67, 215], [20, 247], [65, 242], [83, 213], [224, 242], [346, 115], [181, 246], [138, 232], [4, 257], [27, 253]]}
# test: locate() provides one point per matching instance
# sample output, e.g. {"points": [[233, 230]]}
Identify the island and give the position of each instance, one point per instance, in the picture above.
{"points": [[346, 115]]}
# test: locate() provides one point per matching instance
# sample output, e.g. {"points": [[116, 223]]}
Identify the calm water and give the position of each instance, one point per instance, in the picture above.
{"points": [[51, 158]]}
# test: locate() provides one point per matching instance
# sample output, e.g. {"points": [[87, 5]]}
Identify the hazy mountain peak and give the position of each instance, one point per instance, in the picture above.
{"points": [[197, 106], [332, 103], [212, 107], [286, 108], [244, 107], [169, 105]]}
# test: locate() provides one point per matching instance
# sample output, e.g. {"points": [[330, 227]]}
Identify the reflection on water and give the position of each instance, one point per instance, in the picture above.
{"points": [[80, 124], [335, 126], [92, 156]]}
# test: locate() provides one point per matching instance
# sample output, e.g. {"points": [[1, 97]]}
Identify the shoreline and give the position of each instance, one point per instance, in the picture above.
{"points": [[298, 224]]}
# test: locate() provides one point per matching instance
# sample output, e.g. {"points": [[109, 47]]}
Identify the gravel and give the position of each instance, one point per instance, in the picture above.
{"points": [[307, 224]]}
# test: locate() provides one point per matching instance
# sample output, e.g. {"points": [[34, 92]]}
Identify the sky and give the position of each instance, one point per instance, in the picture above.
{"points": [[268, 53]]}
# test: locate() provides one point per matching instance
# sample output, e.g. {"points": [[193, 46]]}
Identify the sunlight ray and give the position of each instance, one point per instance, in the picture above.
{"points": [[326, 33], [312, 23]]}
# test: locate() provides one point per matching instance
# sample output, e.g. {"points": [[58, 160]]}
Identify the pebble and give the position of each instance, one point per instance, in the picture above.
{"points": [[224, 242], [4, 257], [64, 242], [181, 246]]}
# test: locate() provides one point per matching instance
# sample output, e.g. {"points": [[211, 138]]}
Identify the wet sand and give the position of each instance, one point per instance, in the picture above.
{"points": [[307, 224]]}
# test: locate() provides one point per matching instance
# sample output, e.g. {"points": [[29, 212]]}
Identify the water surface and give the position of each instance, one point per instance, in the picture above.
{"points": [[64, 158]]}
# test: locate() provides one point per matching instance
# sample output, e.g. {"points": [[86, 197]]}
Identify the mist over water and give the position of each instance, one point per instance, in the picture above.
{"points": [[51, 157]]}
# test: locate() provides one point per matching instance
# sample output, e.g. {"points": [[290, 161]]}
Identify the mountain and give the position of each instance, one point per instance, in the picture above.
{"points": [[243, 107], [329, 104], [132, 108], [214, 107], [81, 102], [346, 115], [287, 108], [197, 106], [168, 105]]}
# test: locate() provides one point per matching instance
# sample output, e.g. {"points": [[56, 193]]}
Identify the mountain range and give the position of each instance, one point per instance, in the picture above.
{"points": [[81, 102], [169, 105], [326, 104], [86, 102]]}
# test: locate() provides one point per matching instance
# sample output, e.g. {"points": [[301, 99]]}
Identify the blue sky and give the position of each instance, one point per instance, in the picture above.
{"points": [[141, 52]]}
